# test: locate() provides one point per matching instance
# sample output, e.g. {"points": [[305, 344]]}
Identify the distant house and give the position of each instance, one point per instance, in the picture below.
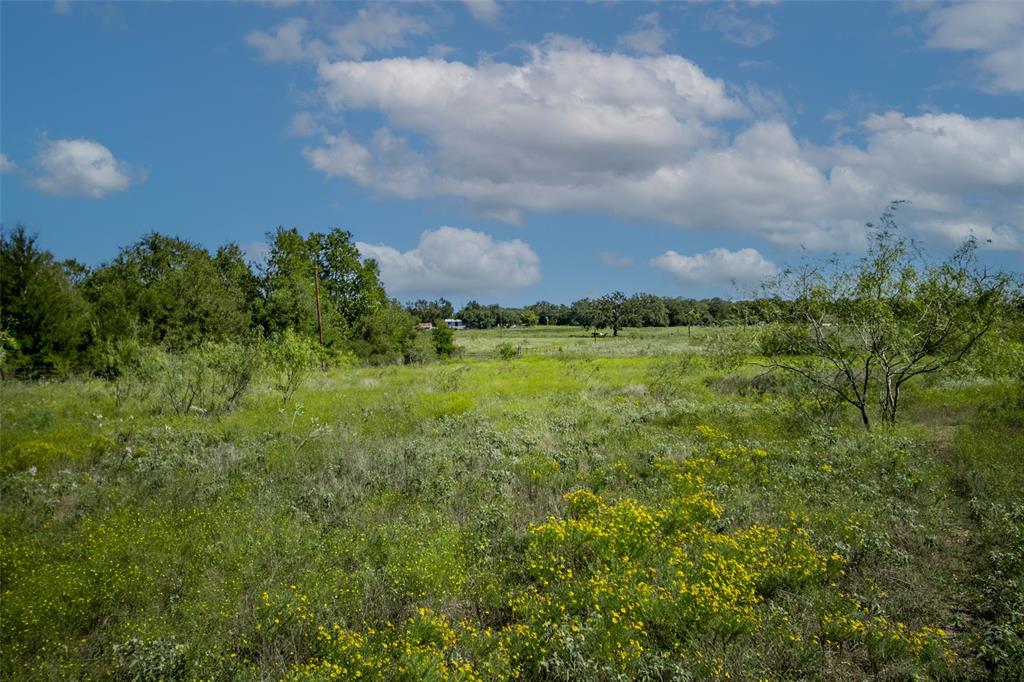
{"points": [[455, 324], [427, 326]]}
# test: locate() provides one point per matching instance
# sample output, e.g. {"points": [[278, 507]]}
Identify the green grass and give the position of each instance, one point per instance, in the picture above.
{"points": [[413, 523]]}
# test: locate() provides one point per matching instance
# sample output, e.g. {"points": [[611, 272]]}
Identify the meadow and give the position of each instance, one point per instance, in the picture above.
{"points": [[548, 506]]}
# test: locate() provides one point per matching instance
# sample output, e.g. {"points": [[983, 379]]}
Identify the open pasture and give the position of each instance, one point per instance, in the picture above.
{"points": [[642, 507]]}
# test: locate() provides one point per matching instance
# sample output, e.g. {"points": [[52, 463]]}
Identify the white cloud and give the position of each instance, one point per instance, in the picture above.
{"points": [[648, 37], [737, 28], [376, 28], [1001, 237], [993, 30], [614, 260], [6, 164], [940, 154], [450, 260], [82, 168], [717, 267], [485, 11], [287, 43], [574, 129]]}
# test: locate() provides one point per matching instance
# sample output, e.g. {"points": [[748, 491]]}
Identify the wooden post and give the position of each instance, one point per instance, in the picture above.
{"points": [[316, 284]]}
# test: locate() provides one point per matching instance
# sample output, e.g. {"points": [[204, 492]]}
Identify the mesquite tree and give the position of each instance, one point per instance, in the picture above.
{"points": [[863, 330]]}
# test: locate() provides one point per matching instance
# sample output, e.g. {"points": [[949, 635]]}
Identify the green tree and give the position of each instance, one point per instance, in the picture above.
{"points": [[167, 291], [384, 335], [478, 316], [290, 358], [550, 313], [350, 287], [236, 274], [616, 312], [873, 326], [42, 311], [649, 310], [431, 311], [443, 338]]}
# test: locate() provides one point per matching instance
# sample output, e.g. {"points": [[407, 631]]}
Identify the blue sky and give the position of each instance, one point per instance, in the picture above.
{"points": [[518, 151]]}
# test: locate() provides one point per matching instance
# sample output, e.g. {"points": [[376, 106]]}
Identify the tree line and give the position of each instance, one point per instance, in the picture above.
{"points": [[58, 317], [612, 311]]}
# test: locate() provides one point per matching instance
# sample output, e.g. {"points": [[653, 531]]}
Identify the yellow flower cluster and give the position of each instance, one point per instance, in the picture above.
{"points": [[427, 646]]}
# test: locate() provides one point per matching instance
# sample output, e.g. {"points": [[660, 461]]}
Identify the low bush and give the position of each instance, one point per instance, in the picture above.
{"points": [[290, 358], [507, 351]]}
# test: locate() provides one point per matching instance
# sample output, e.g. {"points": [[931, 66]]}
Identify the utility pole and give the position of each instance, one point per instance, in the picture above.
{"points": [[316, 284]]}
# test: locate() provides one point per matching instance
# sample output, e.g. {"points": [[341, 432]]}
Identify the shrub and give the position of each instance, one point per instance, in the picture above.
{"points": [[444, 339], [210, 379], [786, 340], [384, 335], [421, 350], [290, 358], [134, 369], [508, 351]]}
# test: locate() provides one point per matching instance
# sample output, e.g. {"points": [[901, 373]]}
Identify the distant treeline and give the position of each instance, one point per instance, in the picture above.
{"points": [[58, 317], [613, 311]]}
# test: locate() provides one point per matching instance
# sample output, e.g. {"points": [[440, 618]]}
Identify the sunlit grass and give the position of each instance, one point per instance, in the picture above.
{"points": [[636, 506]]}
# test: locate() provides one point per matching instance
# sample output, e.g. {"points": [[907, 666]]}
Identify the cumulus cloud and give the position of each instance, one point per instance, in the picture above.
{"points": [[484, 11], [648, 37], [82, 167], [571, 128], [451, 260], [717, 267], [992, 30], [6, 164], [614, 260], [377, 28]]}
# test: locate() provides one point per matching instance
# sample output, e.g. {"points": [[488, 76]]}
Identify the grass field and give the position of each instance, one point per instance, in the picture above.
{"points": [[640, 507]]}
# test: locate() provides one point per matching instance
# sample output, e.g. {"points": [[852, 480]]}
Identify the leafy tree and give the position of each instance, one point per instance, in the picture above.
{"points": [[350, 283], [550, 313], [586, 313], [236, 274], [42, 312], [616, 312], [873, 326], [479, 316], [443, 338], [384, 335], [431, 311], [719, 311], [166, 291], [649, 310], [290, 357], [350, 287]]}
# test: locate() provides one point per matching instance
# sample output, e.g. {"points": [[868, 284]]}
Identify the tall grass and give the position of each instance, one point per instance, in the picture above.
{"points": [[630, 508]]}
